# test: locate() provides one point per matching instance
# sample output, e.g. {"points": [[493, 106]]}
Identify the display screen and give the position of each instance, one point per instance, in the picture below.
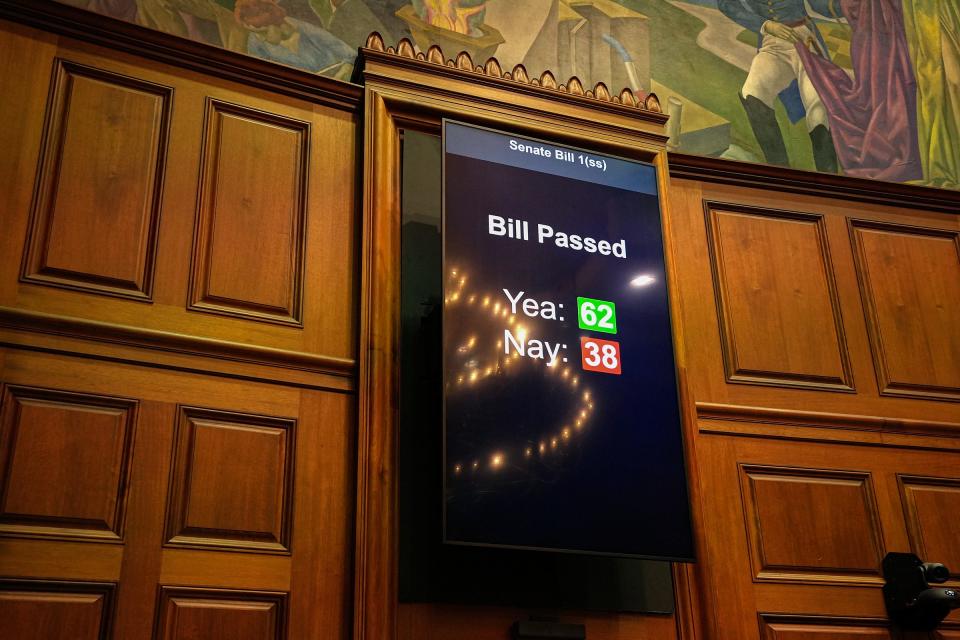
{"points": [[561, 414]]}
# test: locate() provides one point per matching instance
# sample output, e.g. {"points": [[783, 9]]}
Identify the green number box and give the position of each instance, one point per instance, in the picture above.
{"points": [[597, 315]]}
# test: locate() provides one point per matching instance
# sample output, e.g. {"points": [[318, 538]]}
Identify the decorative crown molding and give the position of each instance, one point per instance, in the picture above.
{"points": [[827, 185], [492, 69]]}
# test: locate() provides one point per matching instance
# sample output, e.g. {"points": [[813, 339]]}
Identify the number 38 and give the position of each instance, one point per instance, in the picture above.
{"points": [[600, 355]]}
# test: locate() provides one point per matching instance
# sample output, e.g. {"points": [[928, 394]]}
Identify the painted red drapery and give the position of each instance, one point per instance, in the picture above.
{"points": [[873, 116]]}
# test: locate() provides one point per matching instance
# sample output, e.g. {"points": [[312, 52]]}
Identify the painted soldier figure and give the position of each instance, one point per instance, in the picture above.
{"points": [[782, 24]]}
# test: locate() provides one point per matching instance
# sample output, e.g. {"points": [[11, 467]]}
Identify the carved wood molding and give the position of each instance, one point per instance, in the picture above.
{"points": [[36, 267], [66, 592], [764, 176], [176, 343], [181, 498], [156, 45], [769, 420], [909, 488], [736, 372], [463, 64], [105, 524], [770, 621], [814, 571], [375, 554], [201, 297], [871, 288], [269, 608]]}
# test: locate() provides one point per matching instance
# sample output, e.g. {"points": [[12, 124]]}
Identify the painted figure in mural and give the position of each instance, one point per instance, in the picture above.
{"points": [[277, 37], [259, 27], [933, 35], [462, 16], [193, 19], [781, 24], [349, 20], [882, 102]]}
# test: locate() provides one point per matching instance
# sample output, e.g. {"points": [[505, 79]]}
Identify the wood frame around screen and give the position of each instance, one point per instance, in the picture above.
{"points": [[409, 90]]}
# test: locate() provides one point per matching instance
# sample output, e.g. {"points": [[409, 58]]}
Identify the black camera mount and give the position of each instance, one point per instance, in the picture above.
{"points": [[912, 604]]}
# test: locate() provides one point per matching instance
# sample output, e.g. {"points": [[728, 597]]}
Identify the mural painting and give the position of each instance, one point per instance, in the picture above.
{"points": [[867, 88]]}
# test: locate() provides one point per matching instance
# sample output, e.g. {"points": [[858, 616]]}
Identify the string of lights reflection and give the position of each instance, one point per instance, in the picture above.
{"points": [[473, 372]]}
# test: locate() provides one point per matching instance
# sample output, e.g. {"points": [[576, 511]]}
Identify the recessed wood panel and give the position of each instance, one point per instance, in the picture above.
{"points": [[777, 627], [931, 508], [248, 258], [97, 201], [209, 614], [52, 610], [232, 481], [910, 284], [811, 525], [777, 302], [64, 459]]}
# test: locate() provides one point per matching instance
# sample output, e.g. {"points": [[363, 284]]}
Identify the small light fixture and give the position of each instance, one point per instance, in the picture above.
{"points": [[643, 280]]}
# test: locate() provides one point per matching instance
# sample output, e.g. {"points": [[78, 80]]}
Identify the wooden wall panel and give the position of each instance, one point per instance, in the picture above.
{"points": [[787, 628], [811, 524], [932, 513], [219, 217], [23, 111], [64, 462], [910, 282], [820, 511], [867, 494], [50, 610], [210, 614], [97, 200], [251, 226], [232, 483], [777, 301], [256, 490], [859, 413], [260, 186]]}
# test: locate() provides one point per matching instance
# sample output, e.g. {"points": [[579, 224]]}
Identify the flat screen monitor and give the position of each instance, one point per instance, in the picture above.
{"points": [[561, 420]]}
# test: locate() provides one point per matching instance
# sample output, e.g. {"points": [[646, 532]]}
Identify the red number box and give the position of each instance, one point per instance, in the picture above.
{"points": [[602, 356]]}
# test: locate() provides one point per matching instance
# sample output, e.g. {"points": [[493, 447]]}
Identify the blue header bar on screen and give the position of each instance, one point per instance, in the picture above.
{"points": [[545, 157]]}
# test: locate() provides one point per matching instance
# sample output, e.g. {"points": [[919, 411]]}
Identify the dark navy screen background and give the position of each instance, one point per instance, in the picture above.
{"points": [[519, 471]]}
